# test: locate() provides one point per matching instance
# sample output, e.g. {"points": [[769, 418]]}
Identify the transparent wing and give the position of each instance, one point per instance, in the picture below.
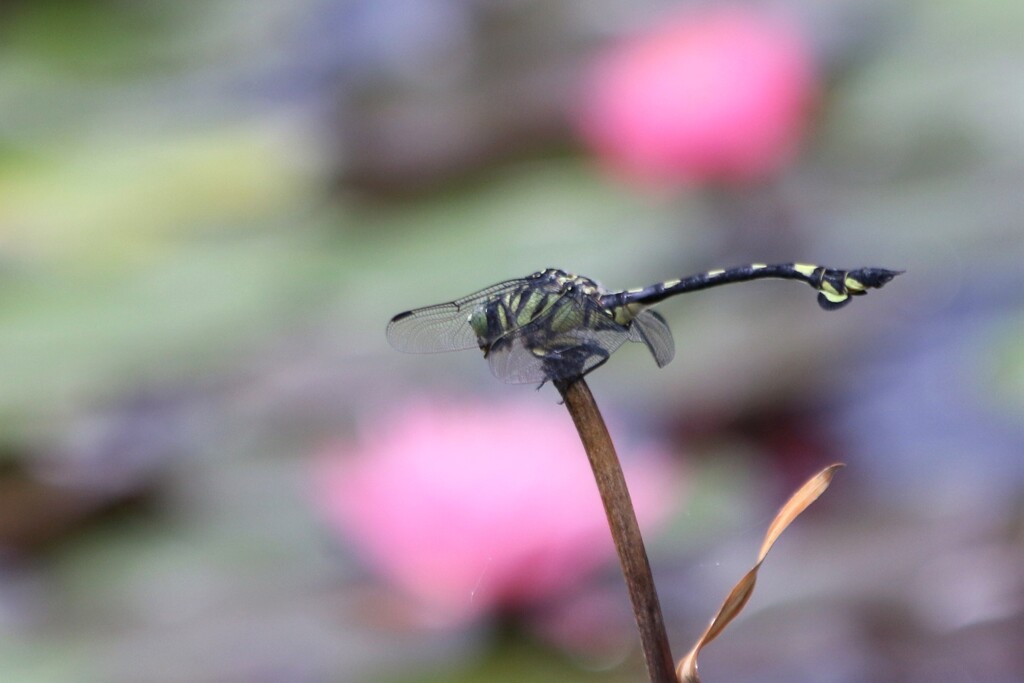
{"points": [[443, 327], [651, 329], [571, 338]]}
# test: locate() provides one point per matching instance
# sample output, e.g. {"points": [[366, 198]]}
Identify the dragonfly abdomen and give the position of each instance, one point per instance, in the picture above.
{"points": [[834, 286]]}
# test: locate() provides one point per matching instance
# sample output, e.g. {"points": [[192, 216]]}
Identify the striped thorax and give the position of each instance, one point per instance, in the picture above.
{"points": [[515, 309]]}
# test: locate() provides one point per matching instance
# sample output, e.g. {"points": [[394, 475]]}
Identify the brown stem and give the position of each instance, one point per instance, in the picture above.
{"points": [[625, 531]]}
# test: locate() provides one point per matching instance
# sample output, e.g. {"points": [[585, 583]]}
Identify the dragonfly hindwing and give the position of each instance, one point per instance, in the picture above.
{"points": [[650, 328]]}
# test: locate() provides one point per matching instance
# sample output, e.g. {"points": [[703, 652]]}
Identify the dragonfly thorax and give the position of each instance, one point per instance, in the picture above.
{"points": [[493, 318]]}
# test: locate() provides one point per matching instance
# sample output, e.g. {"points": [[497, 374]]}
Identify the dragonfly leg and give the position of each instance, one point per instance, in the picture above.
{"points": [[573, 361]]}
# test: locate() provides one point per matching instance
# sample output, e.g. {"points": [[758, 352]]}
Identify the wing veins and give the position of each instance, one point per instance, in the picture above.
{"points": [[443, 327]]}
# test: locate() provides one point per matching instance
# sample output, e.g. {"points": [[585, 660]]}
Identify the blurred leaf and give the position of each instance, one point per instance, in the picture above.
{"points": [[69, 341], [1006, 365], [515, 659], [122, 198], [44, 661], [92, 39]]}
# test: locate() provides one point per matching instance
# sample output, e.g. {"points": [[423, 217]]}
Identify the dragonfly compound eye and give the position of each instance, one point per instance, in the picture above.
{"points": [[478, 321]]}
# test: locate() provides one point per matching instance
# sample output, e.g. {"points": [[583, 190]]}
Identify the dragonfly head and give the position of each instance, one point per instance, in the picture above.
{"points": [[565, 281], [550, 275], [478, 321]]}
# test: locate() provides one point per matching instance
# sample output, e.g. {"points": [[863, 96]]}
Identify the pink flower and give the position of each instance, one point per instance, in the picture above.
{"points": [[467, 508], [717, 96]]}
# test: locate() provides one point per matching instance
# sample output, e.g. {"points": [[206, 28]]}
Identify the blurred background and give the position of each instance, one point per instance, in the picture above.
{"points": [[213, 467]]}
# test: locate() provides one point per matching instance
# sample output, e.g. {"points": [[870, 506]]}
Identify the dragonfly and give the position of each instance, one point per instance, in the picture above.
{"points": [[556, 326]]}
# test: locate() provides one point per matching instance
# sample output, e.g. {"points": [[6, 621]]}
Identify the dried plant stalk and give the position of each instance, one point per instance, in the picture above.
{"points": [[625, 531]]}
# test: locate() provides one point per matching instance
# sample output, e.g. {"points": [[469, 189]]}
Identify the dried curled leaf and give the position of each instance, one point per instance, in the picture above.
{"points": [[686, 671]]}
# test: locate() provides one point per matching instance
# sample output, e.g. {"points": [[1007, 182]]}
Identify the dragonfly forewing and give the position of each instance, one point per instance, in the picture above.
{"points": [[444, 327]]}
